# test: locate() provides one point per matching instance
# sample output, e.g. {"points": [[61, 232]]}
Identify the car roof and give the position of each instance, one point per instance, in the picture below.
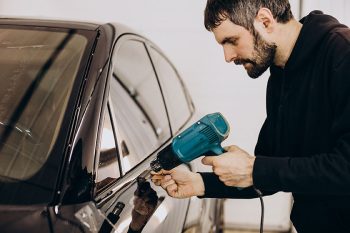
{"points": [[50, 23], [113, 27]]}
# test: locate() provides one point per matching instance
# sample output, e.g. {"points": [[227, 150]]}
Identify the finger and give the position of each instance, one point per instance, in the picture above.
{"points": [[156, 182], [228, 183], [223, 179], [157, 177], [166, 172], [166, 181], [172, 190], [208, 160], [155, 173], [218, 171], [161, 172], [167, 177], [230, 148]]}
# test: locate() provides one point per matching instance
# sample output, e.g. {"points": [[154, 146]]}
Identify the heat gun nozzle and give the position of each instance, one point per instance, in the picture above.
{"points": [[155, 165], [166, 159]]}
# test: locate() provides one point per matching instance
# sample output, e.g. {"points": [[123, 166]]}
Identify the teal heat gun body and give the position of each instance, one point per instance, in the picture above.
{"points": [[202, 138]]}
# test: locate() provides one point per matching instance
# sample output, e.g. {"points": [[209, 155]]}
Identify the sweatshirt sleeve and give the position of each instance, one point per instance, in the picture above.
{"points": [[214, 188], [324, 173]]}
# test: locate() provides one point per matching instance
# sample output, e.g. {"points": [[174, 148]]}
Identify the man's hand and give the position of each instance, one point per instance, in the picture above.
{"points": [[179, 182], [234, 168]]}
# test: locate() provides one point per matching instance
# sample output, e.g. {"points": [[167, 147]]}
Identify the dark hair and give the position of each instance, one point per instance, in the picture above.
{"points": [[243, 12]]}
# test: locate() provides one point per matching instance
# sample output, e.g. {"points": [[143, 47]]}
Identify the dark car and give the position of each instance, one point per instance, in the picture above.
{"points": [[84, 109]]}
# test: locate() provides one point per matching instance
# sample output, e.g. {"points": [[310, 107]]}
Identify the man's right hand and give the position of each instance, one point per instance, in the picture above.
{"points": [[179, 182]]}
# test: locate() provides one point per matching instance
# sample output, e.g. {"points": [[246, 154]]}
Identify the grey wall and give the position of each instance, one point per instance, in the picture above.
{"points": [[337, 8]]}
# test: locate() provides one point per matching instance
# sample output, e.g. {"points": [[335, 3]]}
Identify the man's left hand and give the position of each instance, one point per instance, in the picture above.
{"points": [[234, 168]]}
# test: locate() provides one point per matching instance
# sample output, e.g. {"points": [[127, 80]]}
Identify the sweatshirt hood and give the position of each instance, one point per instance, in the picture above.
{"points": [[315, 27]]}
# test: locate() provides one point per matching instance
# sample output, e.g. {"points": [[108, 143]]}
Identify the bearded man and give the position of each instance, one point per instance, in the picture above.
{"points": [[304, 143]]}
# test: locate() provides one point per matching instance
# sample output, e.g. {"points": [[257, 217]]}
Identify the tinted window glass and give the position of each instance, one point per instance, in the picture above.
{"points": [[136, 137], [37, 73], [138, 104], [108, 168], [173, 90]]}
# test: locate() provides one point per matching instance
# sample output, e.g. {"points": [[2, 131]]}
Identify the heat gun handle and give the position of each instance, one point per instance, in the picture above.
{"points": [[218, 150]]}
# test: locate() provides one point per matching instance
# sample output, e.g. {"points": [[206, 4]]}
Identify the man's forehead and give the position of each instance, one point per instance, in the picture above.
{"points": [[228, 29]]}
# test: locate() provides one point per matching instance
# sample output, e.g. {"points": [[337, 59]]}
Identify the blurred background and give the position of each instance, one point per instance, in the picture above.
{"points": [[177, 27]]}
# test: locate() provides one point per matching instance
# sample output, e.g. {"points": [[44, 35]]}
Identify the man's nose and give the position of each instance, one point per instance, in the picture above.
{"points": [[230, 54]]}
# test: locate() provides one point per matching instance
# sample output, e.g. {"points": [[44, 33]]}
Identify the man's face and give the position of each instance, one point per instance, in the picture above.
{"points": [[243, 48]]}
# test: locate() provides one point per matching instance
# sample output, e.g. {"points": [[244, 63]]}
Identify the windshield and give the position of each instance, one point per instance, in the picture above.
{"points": [[38, 69]]}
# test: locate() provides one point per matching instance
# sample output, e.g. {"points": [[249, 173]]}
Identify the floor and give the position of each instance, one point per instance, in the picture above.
{"points": [[249, 231]]}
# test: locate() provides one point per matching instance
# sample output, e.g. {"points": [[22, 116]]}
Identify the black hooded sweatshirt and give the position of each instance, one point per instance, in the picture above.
{"points": [[304, 143]]}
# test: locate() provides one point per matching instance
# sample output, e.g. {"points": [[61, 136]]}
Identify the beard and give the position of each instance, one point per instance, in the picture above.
{"points": [[263, 56]]}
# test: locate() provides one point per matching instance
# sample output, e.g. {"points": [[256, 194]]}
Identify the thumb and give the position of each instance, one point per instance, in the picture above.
{"points": [[208, 160]]}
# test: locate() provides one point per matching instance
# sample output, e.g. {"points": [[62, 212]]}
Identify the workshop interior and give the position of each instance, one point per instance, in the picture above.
{"points": [[98, 95]]}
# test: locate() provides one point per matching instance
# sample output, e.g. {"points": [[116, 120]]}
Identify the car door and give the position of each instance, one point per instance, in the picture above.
{"points": [[140, 128], [181, 113]]}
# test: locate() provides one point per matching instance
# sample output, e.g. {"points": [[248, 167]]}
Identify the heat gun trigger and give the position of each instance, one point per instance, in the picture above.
{"points": [[215, 151]]}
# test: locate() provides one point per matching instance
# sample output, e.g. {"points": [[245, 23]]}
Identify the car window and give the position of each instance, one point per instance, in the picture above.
{"points": [[173, 90], [38, 69], [108, 166], [139, 109]]}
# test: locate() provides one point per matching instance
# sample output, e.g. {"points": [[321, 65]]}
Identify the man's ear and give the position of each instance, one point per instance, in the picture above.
{"points": [[264, 21]]}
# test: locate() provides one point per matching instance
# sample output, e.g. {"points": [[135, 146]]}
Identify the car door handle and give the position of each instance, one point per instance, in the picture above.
{"points": [[112, 217]]}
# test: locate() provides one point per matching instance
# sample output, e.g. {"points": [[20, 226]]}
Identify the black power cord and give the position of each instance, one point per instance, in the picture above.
{"points": [[260, 195]]}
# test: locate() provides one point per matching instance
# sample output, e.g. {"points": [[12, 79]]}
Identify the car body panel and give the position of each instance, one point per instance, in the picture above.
{"points": [[34, 218]]}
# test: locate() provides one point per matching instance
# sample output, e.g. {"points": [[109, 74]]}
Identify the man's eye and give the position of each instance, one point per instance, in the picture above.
{"points": [[231, 42], [234, 42]]}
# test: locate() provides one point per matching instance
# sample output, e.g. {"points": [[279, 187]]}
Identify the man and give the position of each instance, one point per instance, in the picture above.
{"points": [[304, 144]]}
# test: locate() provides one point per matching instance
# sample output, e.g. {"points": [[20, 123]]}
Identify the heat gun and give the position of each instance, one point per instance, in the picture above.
{"points": [[203, 137]]}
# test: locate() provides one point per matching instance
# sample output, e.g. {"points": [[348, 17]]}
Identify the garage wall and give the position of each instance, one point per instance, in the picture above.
{"points": [[337, 8], [177, 27]]}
